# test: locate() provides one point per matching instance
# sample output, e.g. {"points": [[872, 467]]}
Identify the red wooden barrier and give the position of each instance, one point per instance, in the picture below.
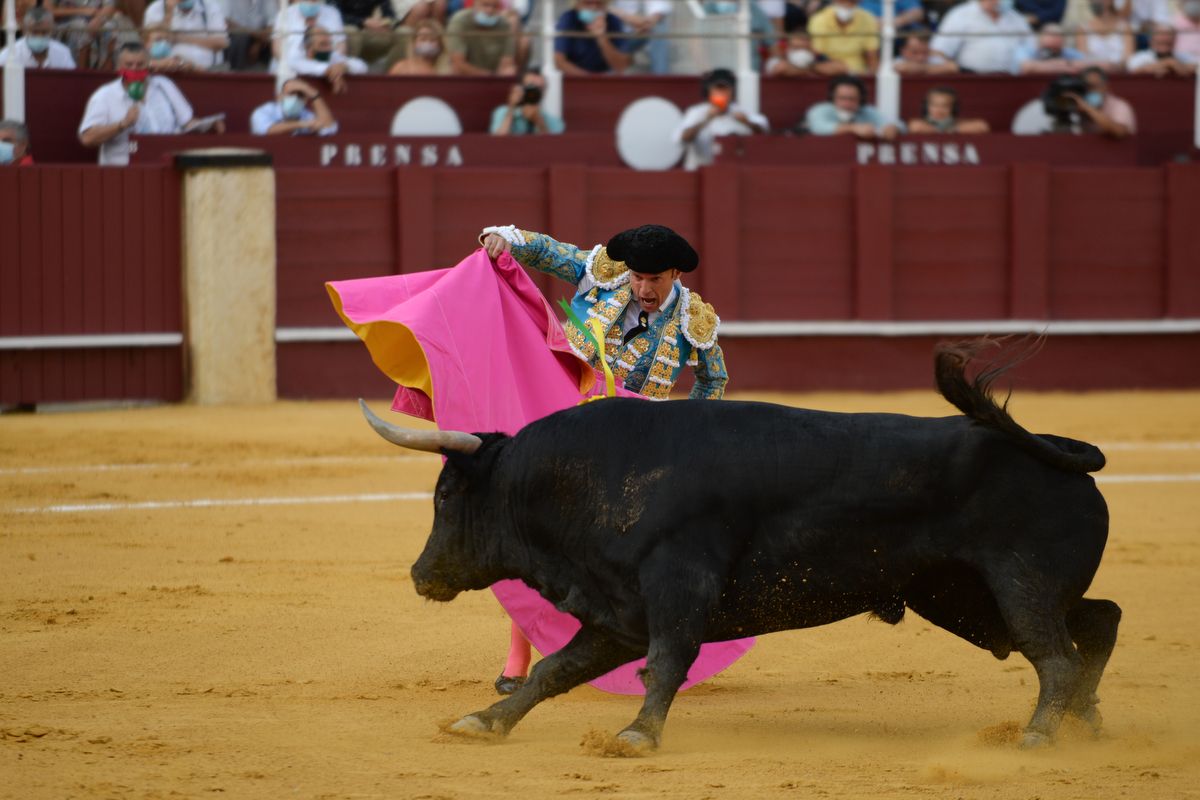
{"points": [[86, 252]]}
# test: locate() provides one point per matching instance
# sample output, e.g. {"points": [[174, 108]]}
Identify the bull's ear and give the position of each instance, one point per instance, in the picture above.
{"points": [[478, 464]]}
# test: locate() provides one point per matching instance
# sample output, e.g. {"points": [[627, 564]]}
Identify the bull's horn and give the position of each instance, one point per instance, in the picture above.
{"points": [[429, 441]]}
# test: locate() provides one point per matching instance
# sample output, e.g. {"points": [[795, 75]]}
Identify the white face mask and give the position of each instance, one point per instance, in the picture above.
{"points": [[844, 116], [844, 14], [800, 59]]}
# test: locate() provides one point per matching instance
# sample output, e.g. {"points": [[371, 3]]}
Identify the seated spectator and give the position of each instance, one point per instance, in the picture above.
{"points": [[909, 13], [846, 112], [481, 41], [1162, 59], [647, 18], [14, 143], [939, 114], [293, 22], [163, 57], [137, 101], [89, 28], [249, 35], [197, 26], [917, 58], [427, 54], [1106, 38], [981, 36], [321, 60], [298, 111], [1049, 55], [371, 31], [597, 50], [1187, 27], [845, 32], [718, 115], [1106, 114], [1077, 104], [797, 59], [523, 113], [37, 49]]}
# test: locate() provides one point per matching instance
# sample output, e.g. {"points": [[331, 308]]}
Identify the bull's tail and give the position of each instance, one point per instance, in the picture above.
{"points": [[974, 398]]}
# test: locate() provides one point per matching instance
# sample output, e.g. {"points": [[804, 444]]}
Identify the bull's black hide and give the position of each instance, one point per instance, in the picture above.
{"points": [[664, 525]]}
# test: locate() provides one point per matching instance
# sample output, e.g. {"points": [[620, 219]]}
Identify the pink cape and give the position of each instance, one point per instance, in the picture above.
{"points": [[477, 348]]}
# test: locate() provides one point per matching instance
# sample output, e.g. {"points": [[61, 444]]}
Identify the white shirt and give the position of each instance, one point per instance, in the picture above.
{"points": [[164, 111], [702, 149], [1143, 57], [646, 8], [290, 27], [1144, 11], [992, 53], [205, 18], [58, 56], [310, 66]]}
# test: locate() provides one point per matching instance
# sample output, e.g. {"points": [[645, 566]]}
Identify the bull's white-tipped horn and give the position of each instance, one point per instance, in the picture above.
{"points": [[429, 441]]}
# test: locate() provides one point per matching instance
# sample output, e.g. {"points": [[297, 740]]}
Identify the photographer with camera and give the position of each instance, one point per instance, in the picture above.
{"points": [[523, 113], [1079, 104], [719, 114]]}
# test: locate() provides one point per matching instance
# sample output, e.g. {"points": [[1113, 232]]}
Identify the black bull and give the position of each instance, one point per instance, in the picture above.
{"points": [[661, 526]]}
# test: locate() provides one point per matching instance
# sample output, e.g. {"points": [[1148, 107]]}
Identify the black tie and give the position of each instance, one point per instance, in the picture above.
{"points": [[643, 323]]}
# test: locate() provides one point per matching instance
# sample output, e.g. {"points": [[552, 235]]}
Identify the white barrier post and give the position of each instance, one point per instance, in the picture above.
{"points": [[552, 98], [887, 80], [14, 70], [1196, 119], [283, 68], [747, 88]]}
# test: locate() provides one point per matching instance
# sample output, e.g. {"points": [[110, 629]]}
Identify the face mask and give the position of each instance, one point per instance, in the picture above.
{"points": [[38, 44], [322, 55], [309, 10], [844, 116], [486, 20], [587, 15], [160, 49], [942, 125], [725, 7], [800, 59], [292, 106], [720, 98], [135, 82], [6, 152], [844, 14], [187, 5], [1094, 99], [427, 49]]}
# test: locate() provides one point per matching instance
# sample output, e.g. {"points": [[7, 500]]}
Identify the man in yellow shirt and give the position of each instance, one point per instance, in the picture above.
{"points": [[845, 32]]}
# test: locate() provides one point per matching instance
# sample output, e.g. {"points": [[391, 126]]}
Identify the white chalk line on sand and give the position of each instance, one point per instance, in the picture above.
{"points": [[216, 502], [303, 461]]}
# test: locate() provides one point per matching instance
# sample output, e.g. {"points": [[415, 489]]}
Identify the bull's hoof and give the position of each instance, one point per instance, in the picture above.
{"points": [[1091, 717], [638, 741], [1035, 740], [506, 684], [473, 727]]}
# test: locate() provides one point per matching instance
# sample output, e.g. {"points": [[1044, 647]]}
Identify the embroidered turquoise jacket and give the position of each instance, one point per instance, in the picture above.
{"points": [[684, 334]]}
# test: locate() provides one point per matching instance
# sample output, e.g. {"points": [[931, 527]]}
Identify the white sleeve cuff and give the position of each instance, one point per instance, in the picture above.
{"points": [[509, 233]]}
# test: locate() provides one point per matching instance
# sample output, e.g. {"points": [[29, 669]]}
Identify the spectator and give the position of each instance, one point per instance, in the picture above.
{"points": [[845, 32], [371, 31], [138, 101], [1161, 59], [163, 57], [480, 41], [846, 112], [909, 13], [797, 59], [298, 111], [37, 49], [523, 113], [718, 115], [321, 60], [89, 25], [1146, 15], [1187, 27], [939, 114], [981, 36], [916, 58], [1106, 38], [249, 41], [1106, 113], [775, 11], [647, 18], [1080, 105], [1041, 12], [427, 55], [198, 28], [14, 143], [597, 50], [293, 22], [1049, 55]]}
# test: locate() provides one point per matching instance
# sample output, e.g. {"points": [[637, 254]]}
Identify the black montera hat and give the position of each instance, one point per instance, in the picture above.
{"points": [[652, 249]]}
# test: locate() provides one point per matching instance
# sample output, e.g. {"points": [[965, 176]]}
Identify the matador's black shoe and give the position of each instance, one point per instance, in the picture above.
{"points": [[507, 685]]}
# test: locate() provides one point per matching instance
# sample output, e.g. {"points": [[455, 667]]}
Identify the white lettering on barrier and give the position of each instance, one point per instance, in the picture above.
{"points": [[353, 155], [328, 153], [378, 155], [950, 153], [428, 155]]}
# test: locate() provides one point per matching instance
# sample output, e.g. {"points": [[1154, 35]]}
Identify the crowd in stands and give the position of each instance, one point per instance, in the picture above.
{"points": [[323, 43]]}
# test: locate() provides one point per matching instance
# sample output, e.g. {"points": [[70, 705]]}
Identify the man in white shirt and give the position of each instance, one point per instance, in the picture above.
{"points": [[294, 21], [982, 36], [137, 101], [719, 115], [647, 17], [38, 49], [321, 60], [198, 27], [1161, 59], [298, 111]]}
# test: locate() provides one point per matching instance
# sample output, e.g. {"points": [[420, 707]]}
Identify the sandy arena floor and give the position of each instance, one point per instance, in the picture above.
{"points": [[194, 629]]}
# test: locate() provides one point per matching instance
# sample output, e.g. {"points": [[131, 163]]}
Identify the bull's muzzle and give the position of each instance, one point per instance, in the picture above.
{"points": [[431, 587]]}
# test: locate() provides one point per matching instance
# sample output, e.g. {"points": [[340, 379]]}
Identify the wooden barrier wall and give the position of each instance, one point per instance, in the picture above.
{"points": [[86, 251]]}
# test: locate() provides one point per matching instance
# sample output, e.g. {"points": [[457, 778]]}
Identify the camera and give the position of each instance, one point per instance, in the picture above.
{"points": [[1062, 110], [532, 96]]}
